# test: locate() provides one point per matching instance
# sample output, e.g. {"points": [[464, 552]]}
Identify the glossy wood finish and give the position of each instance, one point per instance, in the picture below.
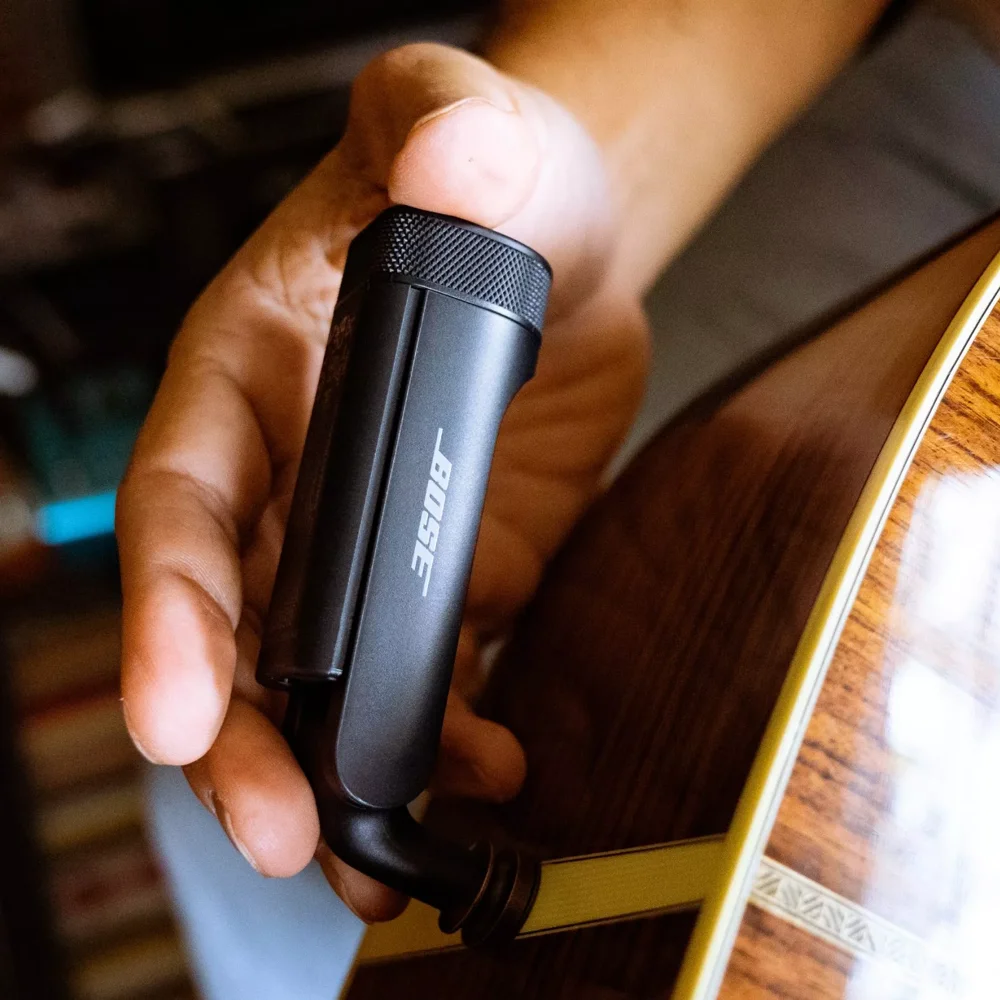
{"points": [[758, 967], [641, 678], [894, 802]]}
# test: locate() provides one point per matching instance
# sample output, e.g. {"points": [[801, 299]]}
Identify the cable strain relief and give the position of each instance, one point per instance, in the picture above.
{"points": [[503, 902]]}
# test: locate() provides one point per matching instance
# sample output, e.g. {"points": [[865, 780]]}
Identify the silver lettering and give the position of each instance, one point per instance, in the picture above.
{"points": [[429, 528], [440, 466], [434, 500], [422, 559]]}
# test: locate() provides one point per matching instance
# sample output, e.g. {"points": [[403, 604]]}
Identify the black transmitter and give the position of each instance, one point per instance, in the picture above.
{"points": [[437, 326]]}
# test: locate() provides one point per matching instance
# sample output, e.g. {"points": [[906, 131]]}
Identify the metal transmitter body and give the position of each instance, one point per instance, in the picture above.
{"points": [[436, 328]]}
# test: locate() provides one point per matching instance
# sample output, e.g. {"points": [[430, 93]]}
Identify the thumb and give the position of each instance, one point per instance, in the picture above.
{"points": [[440, 129]]}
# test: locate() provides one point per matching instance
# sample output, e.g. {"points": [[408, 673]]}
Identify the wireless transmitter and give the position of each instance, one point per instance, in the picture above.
{"points": [[436, 328]]}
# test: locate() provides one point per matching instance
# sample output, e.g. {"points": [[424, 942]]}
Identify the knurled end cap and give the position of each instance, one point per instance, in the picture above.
{"points": [[452, 255]]}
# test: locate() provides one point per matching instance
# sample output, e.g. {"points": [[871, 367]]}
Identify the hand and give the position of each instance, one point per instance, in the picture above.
{"points": [[203, 506]]}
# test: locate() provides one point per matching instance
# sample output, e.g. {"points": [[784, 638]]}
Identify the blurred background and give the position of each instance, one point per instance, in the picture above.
{"points": [[140, 143]]}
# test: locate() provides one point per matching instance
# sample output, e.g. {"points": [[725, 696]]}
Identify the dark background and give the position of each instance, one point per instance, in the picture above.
{"points": [[141, 141]]}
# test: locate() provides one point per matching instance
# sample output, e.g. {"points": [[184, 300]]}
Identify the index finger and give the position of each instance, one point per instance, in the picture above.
{"points": [[229, 418]]}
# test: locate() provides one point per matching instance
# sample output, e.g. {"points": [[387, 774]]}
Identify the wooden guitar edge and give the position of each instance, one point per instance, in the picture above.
{"points": [[720, 914]]}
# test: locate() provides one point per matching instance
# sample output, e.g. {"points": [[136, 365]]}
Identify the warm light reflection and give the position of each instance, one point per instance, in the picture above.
{"points": [[950, 560], [935, 845]]}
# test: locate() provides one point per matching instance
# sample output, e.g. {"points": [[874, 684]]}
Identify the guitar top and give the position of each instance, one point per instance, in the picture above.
{"points": [[777, 634], [880, 878]]}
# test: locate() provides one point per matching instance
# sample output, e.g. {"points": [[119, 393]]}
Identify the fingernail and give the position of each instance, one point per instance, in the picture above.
{"points": [[219, 810], [135, 739], [465, 102]]}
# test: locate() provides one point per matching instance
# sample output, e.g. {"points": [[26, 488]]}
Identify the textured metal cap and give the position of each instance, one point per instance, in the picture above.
{"points": [[455, 256]]}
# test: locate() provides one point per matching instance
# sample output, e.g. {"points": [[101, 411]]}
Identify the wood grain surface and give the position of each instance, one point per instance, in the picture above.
{"points": [[894, 801], [758, 967], [642, 676]]}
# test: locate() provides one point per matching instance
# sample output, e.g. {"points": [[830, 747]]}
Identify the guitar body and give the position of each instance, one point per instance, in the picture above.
{"points": [[880, 878], [721, 649]]}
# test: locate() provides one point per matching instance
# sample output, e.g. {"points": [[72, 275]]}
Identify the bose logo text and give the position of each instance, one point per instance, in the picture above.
{"points": [[430, 517]]}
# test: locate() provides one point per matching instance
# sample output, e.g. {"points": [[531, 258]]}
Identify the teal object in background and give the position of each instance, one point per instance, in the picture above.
{"points": [[78, 435], [60, 522], [77, 439]]}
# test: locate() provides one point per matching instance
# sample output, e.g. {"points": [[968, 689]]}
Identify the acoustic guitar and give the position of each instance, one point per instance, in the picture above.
{"points": [[759, 689]]}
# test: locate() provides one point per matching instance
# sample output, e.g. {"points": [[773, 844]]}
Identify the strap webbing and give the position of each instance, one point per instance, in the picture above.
{"points": [[576, 892]]}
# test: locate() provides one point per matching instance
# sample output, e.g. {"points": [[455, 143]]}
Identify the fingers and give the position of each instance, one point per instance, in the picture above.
{"points": [[258, 566], [222, 437], [478, 759], [252, 783], [399, 97], [556, 439], [468, 158], [366, 898], [445, 131], [198, 478]]}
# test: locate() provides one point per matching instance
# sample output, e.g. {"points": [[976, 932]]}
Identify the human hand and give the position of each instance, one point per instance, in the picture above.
{"points": [[202, 509]]}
